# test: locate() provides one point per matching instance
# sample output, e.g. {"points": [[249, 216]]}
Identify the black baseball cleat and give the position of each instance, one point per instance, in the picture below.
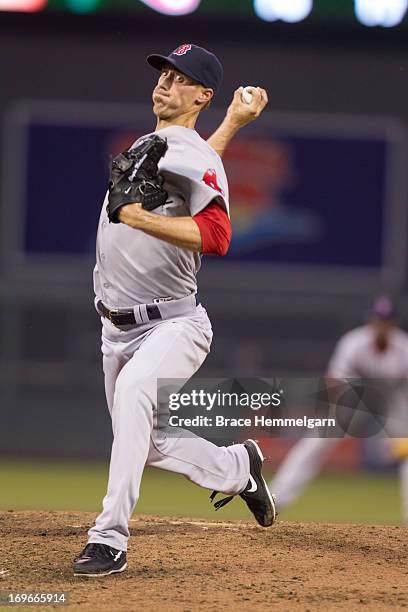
{"points": [[256, 494], [99, 560]]}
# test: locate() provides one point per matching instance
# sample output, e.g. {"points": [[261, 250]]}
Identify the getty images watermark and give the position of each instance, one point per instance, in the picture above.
{"points": [[282, 407], [211, 401]]}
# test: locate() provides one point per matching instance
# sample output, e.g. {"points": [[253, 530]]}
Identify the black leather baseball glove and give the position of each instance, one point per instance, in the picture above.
{"points": [[134, 177]]}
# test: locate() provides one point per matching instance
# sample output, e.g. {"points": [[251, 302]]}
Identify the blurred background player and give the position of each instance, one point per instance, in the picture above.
{"points": [[376, 350]]}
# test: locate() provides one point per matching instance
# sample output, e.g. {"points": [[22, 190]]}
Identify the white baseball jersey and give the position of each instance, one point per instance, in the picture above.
{"points": [[134, 268], [355, 355]]}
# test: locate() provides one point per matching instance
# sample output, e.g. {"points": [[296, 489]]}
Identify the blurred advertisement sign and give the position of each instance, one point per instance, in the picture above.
{"points": [[386, 13], [308, 191], [26, 6], [290, 11], [173, 7], [308, 199], [369, 13]]}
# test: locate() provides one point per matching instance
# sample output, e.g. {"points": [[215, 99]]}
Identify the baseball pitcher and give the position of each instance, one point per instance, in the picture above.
{"points": [[167, 204]]}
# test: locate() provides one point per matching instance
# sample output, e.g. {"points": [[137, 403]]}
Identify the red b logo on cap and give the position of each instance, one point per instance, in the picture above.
{"points": [[182, 50]]}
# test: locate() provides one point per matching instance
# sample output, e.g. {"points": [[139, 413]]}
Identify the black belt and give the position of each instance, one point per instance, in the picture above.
{"points": [[126, 316]]}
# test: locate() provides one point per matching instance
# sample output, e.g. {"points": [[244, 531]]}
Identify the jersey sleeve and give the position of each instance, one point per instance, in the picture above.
{"points": [[208, 185], [193, 168], [215, 229]]}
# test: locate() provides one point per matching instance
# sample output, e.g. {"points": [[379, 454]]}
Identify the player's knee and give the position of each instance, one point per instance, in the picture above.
{"points": [[132, 392]]}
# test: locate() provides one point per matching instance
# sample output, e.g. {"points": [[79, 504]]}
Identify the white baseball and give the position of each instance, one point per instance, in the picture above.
{"points": [[246, 95]]}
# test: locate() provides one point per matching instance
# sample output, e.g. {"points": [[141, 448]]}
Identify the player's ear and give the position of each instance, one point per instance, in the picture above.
{"points": [[204, 97]]}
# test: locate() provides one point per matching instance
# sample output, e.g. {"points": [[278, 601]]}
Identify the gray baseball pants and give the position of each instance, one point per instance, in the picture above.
{"points": [[133, 360]]}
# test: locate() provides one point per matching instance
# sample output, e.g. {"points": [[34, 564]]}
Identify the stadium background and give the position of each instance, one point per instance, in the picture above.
{"points": [[337, 93]]}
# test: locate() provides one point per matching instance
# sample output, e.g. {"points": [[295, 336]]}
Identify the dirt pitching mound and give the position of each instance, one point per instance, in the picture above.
{"points": [[185, 564]]}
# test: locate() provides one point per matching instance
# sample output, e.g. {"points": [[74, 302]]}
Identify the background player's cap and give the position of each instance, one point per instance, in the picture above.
{"points": [[196, 62], [383, 308]]}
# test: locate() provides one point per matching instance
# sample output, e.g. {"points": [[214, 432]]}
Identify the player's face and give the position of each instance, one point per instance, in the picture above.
{"points": [[177, 94]]}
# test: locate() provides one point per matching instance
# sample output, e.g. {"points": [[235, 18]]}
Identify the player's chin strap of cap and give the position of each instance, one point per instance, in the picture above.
{"points": [[141, 314]]}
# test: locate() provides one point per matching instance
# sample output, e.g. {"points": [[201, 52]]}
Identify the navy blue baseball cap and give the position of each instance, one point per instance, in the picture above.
{"points": [[196, 62]]}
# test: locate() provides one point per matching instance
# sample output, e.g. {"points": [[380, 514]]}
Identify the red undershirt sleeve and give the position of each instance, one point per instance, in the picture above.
{"points": [[215, 229]]}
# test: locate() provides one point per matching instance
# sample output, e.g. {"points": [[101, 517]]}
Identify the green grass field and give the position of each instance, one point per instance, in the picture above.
{"points": [[345, 498]]}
